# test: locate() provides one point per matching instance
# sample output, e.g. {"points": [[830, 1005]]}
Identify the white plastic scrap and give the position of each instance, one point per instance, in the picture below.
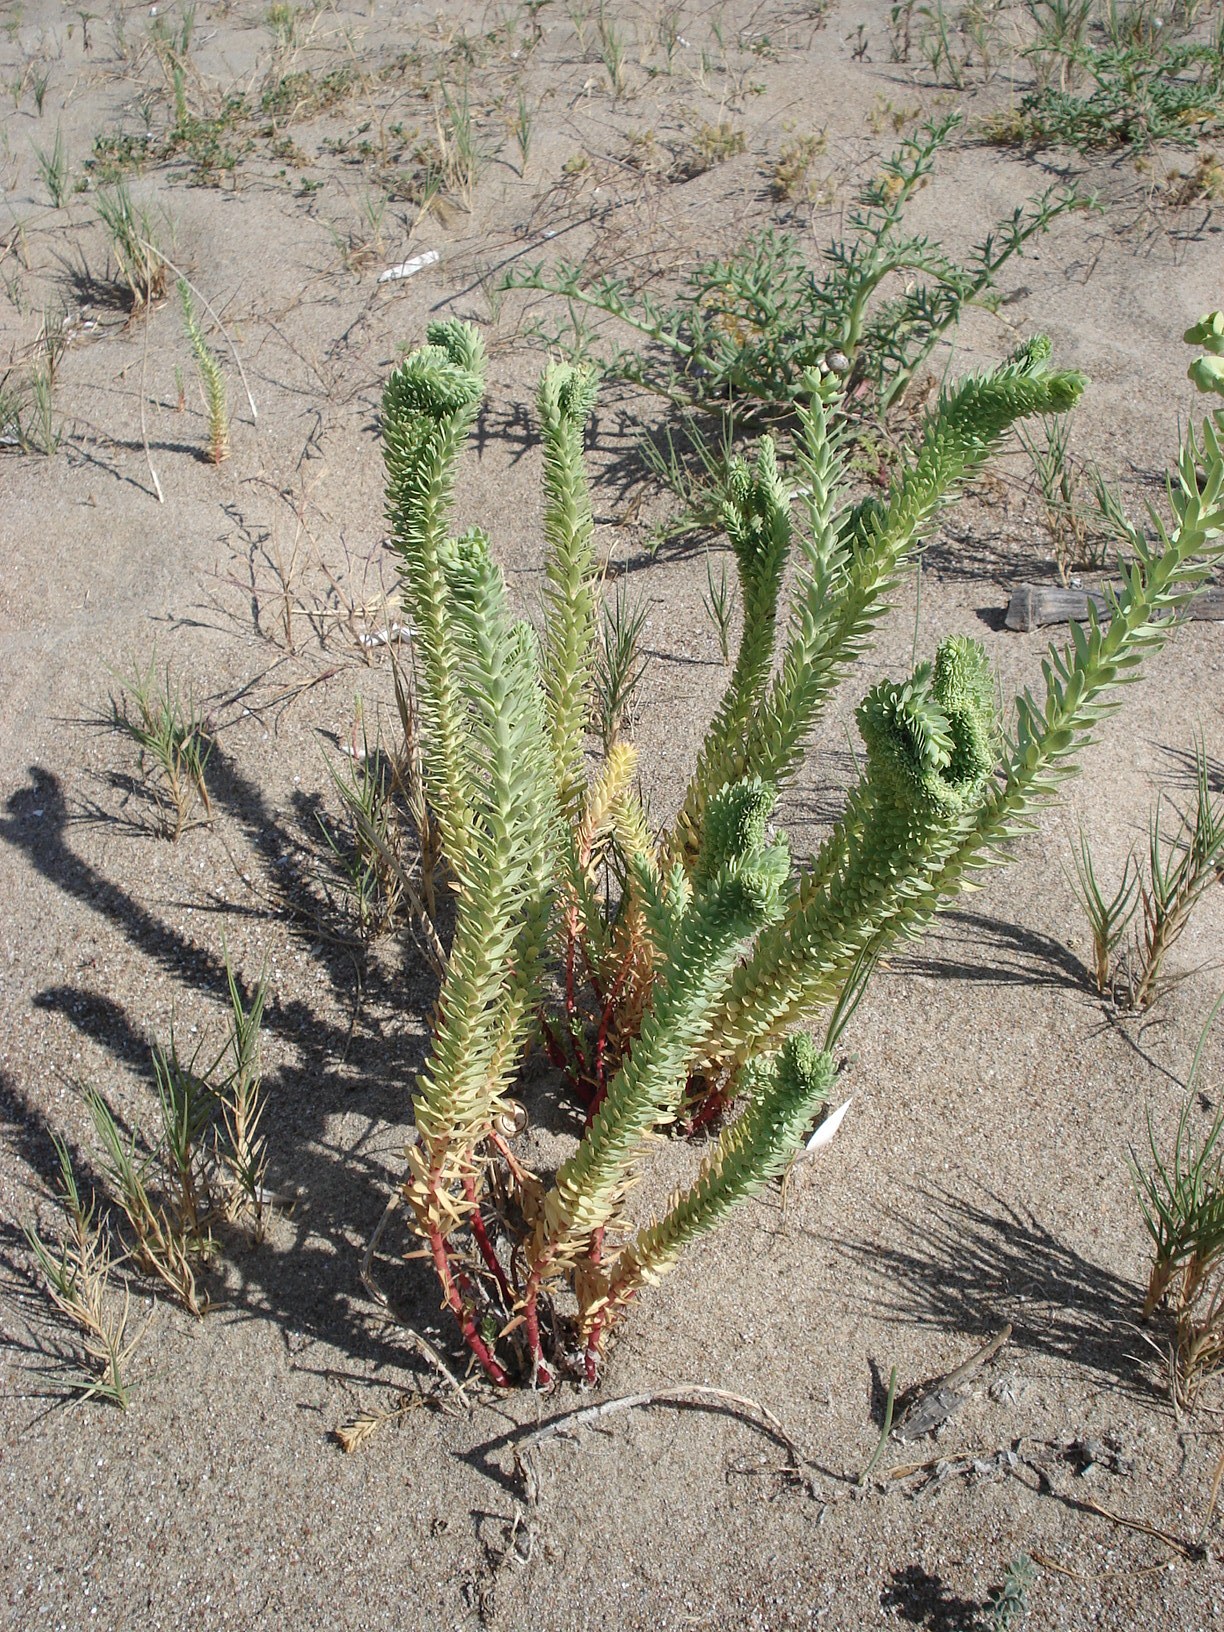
{"points": [[409, 269]]}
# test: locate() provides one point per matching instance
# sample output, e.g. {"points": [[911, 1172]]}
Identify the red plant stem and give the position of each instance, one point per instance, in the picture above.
{"points": [[574, 1064], [541, 1376], [507, 1155], [552, 1045], [571, 942], [486, 1246], [590, 1359], [609, 1008], [711, 1105], [593, 980], [618, 1295], [462, 1314]]}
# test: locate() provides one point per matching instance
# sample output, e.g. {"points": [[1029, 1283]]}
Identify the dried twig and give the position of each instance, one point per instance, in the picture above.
{"points": [[1048, 1563], [907, 1469], [423, 1344], [144, 425], [1217, 1478], [682, 1393], [1187, 1549]]}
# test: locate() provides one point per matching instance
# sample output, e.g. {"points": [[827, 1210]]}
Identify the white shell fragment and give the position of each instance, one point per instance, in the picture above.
{"points": [[409, 269], [828, 1127], [383, 637]]}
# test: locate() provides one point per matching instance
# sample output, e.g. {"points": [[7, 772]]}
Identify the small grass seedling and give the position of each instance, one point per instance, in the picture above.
{"points": [[1061, 28], [174, 743], [611, 50], [42, 433], [12, 402], [77, 1273], [40, 79], [1182, 1200], [718, 605], [204, 1169], [619, 665], [241, 1097], [367, 851], [1076, 535], [53, 169], [166, 1238], [1108, 916], [380, 870], [521, 127], [142, 267], [461, 155], [1180, 868], [211, 379]]}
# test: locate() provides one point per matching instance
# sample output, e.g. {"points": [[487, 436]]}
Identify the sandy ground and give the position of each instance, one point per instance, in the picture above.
{"points": [[981, 1176]]}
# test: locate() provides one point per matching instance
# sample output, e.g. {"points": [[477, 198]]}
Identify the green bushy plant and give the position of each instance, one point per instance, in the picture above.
{"points": [[749, 328], [1138, 87], [672, 978]]}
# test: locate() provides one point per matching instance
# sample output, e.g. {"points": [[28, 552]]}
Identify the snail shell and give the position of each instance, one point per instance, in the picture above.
{"points": [[511, 1118]]}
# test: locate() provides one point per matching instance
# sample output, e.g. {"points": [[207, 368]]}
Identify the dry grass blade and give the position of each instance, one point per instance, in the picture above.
{"points": [[1187, 1549], [359, 1430], [424, 1346], [1216, 1481]]}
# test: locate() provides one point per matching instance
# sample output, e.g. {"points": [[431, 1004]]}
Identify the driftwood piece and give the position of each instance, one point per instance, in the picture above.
{"points": [[929, 1405], [1034, 605]]}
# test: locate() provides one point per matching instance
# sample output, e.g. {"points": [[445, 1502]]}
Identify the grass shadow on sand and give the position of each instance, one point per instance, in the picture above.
{"points": [[309, 1285], [970, 1264]]}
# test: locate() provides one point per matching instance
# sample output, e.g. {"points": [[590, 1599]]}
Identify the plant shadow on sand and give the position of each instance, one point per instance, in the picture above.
{"points": [[922, 1598], [969, 1263], [971, 946], [306, 1278]]}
